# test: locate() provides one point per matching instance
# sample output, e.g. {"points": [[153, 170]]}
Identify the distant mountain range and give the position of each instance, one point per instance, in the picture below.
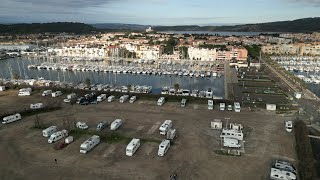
{"points": [[299, 25]]}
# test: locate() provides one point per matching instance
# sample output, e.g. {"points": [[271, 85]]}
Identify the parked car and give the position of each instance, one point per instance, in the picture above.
{"points": [[82, 125]]}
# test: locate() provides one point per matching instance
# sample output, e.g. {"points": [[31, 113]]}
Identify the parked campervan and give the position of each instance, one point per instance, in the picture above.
{"points": [[133, 99], [47, 93], [288, 126], [56, 94], [166, 125], [25, 92], [231, 143], [111, 98], [210, 104], [161, 101], [101, 98], [237, 107], [123, 98], [11, 118], [82, 125], [57, 136], [183, 102], [89, 144], [222, 106], [115, 124], [132, 147], [163, 147], [171, 134], [231, 133], [36, 106], [50, 130], [277, 174], [284, 165], [102, 125]]}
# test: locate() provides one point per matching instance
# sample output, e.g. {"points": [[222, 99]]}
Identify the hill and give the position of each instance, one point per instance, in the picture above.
{"points": [[113, 26], [67, 27], [299, 25]]}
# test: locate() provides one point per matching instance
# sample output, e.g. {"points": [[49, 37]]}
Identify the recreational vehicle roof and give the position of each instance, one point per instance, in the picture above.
{"points": [[164, 143], [281, 174], [133, 143], [90, 140]]}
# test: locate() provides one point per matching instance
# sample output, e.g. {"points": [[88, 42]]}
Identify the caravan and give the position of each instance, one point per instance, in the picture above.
{"points": [[25, 92], [163, 147], [231, 143], [111, 98], [123, 98], [89, 144], [164, 128], [132, 147], [231, 133], [101, 98], [133, 99], [47, 93], [57, 136], [115, 124], [56, 94], [161, 101], [183, 102], [284, 165], [50, 130], [11, 118], [237, 107], [36, 106]]}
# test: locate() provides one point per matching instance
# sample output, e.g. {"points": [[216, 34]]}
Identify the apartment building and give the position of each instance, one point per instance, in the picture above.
{"points": [[294, 49], [232, 52], [202, 54], [79, 51]]}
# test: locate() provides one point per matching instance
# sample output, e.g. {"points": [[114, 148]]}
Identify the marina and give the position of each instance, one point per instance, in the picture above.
{"points": [[117, 77]]}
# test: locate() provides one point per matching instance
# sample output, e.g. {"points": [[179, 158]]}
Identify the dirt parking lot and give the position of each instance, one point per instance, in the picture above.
{"points": [[26, 154]]}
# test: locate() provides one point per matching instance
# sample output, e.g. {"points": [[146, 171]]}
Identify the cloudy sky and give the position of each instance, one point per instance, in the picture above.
{"points": [[157, 12]]}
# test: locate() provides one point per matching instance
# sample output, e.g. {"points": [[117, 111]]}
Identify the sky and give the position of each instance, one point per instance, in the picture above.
{"points": [[157, 12]]}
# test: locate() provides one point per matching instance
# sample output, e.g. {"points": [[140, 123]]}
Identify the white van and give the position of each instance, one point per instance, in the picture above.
{"points": [[89, 144], [50, 130], [163, 147], [161, 101], [57, 136], [111, 98], [115, 124], [11, 118], [132, 147]]}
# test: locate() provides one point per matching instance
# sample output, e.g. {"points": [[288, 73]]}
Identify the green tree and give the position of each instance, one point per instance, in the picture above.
{"points": [[184, 52]]}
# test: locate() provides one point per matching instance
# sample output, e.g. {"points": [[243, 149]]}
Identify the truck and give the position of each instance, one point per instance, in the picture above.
{"points": [[36, 106], [115, 124], [57, 136], [163, 147], [164, 128], [89, 144], [222, 106], [11, 118], [102, 125], [50, 130], [161, 101], [47, 93], [123, 98], [132, 147], [101, 98], [56, 94]]}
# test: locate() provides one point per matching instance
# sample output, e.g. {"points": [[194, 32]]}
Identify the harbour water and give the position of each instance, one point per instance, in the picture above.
{"points": [[224, 33], [20, 66]]}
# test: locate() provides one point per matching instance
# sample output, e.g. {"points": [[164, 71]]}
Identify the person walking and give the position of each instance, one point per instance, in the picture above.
{"points": [[55, 160]]}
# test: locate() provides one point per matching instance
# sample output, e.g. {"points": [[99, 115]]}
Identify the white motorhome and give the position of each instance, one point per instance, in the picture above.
{"points": [[115, 124], [231, 143], [56, 94], [231, 133], [209, 94], [89, 144], [237, 107], [284, 165], [36, 106], [288, 126], [132, 147], [101, 98], [161, 101], [222, 106], [11, 118], [277, 174], [47, 93], [111, 98], [123, 98], [57, 136], [164, 128], [163, 147], [71, 96], [50, 130], [133, 99], [183, 102], [2, 88], [25, 92], [210, 104], [171, 134]]}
